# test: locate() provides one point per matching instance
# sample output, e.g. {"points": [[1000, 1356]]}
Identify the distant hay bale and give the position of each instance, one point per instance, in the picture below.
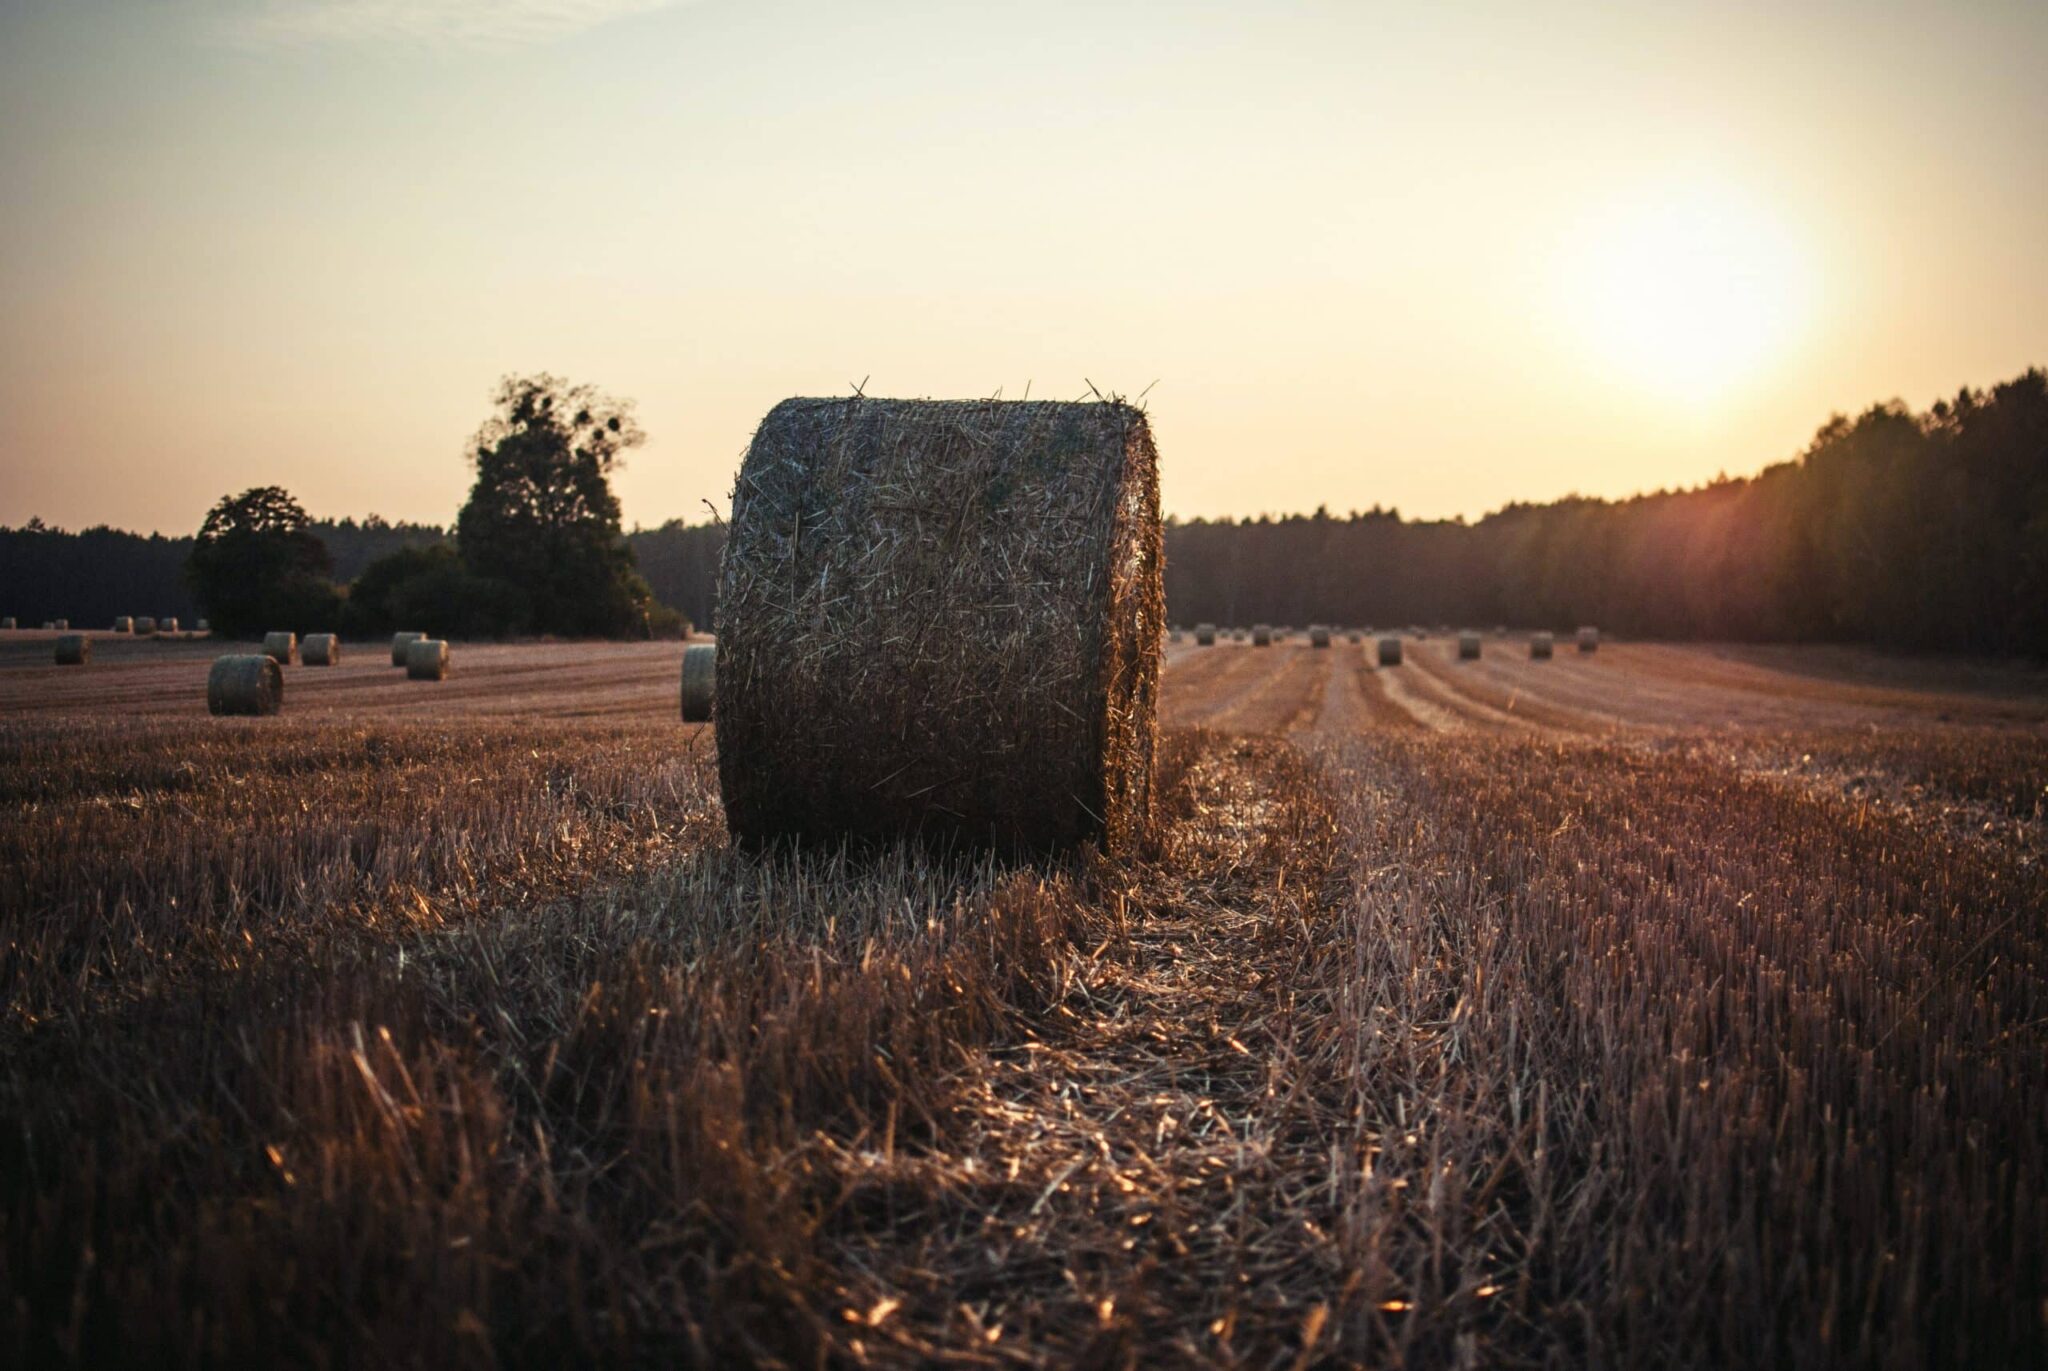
{"points": [[1318, 636], [281, 648], [1540, 645], [144, 625], [124, 623], [74, 649], [700, 682], [203, 626], [1262, 635], [1205, 635], [426, 659], [1354, 636], [1468, 646], [1589, 639], [7, 624], [399, 643], [320, 649], [60, 624], [1390, 650], [1500, 631], [942, 619], [245, 683], [167, 625]]}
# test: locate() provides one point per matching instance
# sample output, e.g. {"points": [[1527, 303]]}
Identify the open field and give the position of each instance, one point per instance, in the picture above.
{"points": [[1669, 1006]]}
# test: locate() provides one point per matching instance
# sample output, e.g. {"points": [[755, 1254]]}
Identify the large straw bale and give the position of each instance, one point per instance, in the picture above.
{"points": [[1540, 646], [321, 649], [245, 683], [1262, 635], [1468, 646], [942, 618], [1589, 638], [399, 643], [700, 682], [283, 648], [124, 623], [426, 659], [74, 649], [167, 625], [1318, 636], [144, 625], [1390, 650]]}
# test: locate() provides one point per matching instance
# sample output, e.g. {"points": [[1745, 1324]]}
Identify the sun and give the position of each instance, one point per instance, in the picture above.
{"points": [[1688, 293]]}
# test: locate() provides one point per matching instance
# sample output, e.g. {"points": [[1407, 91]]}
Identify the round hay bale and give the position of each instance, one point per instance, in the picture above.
{"points": [[282, 648], [144, 625], [426, 659], [942, 618], [700, 682], [321, 649], [74, 649], [61, 625], [1354, 636], [1540, 646], [1205, 635], [1390, 650], [7, 624], [167, 625], [399, 643], [245, 683], [124, 623], [1318, 636], [1262, 635], [203, 626], [1468, 646], [1589, 639]]}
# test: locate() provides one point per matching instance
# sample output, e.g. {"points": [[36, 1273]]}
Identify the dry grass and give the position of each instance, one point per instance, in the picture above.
{"points": [[465, 1041]]}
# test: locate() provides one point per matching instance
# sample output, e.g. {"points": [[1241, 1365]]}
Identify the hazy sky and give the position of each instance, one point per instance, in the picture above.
{"points": [[1438, 257]]}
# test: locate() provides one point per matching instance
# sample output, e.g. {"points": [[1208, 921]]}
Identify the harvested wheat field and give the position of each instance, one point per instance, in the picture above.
{"points": [[1673, 1006]]}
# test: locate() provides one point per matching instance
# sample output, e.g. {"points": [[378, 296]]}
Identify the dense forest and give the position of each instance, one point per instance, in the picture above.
{"points": [[1926, 531]]}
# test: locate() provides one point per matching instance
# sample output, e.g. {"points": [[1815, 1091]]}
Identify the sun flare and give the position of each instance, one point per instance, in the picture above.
{"points": [[1687, 294]]}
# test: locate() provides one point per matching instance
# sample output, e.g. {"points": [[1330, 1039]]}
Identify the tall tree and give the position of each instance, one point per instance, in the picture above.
{"points": [[542, 516], [257, 565]]}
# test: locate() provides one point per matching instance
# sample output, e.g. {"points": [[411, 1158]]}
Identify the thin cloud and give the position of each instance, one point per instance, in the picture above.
{"points": [[422, 23]]}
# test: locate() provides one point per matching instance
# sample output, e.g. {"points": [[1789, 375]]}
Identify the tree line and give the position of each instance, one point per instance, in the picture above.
{"points": [[1925, 531]]}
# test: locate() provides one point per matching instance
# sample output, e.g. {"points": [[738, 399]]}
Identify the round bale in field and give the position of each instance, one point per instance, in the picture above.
{"points": [[1540, 645], [1205, 635], [7, 624], [700, 682], [1318, 636], [124, 623], [426, 659], [144, 625], [1262, 635], [942, 619], [167, 625], [61, 625], [245, 683], [1468, 646], [399, 643], [1589, 639], [321, 649], [1390, 650], [282, 648], [203, 627], [74, 649]]}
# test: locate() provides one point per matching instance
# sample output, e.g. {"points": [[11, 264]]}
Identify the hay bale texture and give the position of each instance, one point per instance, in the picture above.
{"points": [[426, 659], [1390, 650], [321, 649], [399, 643], [1540, 646], [942, 618], [245, 683], [1468, 646], [74, 649], [700, 682], [1589, 639], [1205, 635], [282, 648]]}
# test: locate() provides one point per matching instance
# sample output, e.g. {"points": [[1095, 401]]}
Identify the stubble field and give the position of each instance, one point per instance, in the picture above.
{"points": [[1668, 1005]]}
